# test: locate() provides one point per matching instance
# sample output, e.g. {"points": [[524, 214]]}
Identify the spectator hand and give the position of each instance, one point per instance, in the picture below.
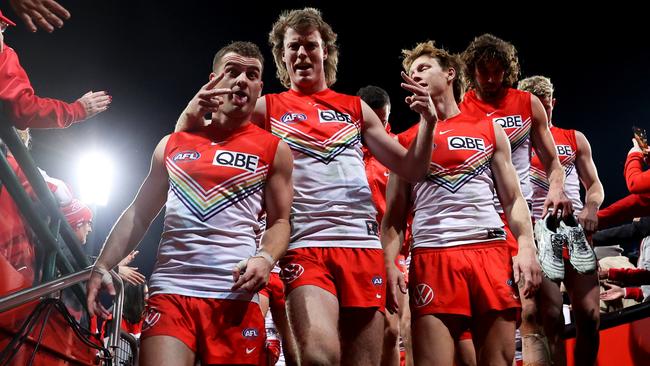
{"points": [[612, 292], [46, 14], [131, 275], [95, 102]]}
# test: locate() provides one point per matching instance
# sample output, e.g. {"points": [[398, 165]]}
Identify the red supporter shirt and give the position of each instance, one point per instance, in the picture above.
{"points": [[637, 180], [23, 107]]}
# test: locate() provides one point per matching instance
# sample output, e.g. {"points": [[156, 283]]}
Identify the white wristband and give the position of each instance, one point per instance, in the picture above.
{"points": [[106, 276], [265, 255]]}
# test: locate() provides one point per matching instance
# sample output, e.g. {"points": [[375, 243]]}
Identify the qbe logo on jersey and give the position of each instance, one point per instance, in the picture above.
{"points": [[564, 150], [509, 121], [465, 143], [333, 116], [236, 160]]}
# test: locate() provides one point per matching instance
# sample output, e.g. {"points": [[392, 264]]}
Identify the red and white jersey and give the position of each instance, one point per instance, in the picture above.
{"points": [[216, 189], [567, 148], [453, 205], [515, 115], [332, 205]]}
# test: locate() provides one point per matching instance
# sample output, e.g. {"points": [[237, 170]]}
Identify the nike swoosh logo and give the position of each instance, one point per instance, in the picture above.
{"points": [[444, 132], [386, 174], [491, 113], [248, 351]]}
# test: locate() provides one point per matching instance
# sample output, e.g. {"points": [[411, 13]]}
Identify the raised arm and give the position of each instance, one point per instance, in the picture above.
{"points": [[412, 164]]}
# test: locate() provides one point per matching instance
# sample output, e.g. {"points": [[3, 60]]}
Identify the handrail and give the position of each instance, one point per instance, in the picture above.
{"points": [[114, 339], [69, 256], [22, 156], [26, 295], [615, 318]]}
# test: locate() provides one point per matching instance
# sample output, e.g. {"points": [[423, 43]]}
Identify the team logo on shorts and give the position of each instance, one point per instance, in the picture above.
{"points": [[151, 317], [515, 291], [423, 295], [250, 333], [291, 117], [186, 155], [291, 272], [377, 280]]}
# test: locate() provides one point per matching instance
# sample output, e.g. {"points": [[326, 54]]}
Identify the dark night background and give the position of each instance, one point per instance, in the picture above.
{"points": [[152, 57]]}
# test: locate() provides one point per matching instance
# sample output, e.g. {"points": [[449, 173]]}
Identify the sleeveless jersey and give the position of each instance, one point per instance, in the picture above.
{"points": [[514, 113], [332, 205], [216, 187], [453, 205], [567, 148]]}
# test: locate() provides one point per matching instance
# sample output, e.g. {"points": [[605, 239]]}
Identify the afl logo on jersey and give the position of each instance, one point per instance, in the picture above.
{"points": [[236, 160], [291, 117], [465, 143], [250, 333], [333, 116], [509, 121], [186, 156]]}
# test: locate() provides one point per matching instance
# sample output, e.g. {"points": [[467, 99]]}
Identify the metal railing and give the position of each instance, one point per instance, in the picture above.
{"points": [[42, 291], [55, 239]]}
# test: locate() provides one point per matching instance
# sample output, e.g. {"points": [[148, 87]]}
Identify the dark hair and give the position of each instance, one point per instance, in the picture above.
{"points": [[246, 49], [374, 96], [487, 48], [133, 302]]}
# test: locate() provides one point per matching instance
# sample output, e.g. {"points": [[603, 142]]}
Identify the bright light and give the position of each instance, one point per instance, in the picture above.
{"points": [[95, 177]]}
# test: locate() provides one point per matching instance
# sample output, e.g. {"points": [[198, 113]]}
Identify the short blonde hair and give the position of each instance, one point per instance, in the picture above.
{"points": [[538, 85]]}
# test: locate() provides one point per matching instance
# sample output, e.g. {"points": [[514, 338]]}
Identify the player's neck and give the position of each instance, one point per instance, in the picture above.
{"points": [[309, 89], [222, 123], [492, 98], [445, 105]]}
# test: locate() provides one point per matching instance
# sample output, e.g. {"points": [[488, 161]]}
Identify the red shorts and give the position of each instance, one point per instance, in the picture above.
{"points": [[467, 280], [218, 331], [274, 291], [356, 276], [467, 334]]}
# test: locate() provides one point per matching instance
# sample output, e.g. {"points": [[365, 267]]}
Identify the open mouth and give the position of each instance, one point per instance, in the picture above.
{"points": [[302, 67], [239, 97]]}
